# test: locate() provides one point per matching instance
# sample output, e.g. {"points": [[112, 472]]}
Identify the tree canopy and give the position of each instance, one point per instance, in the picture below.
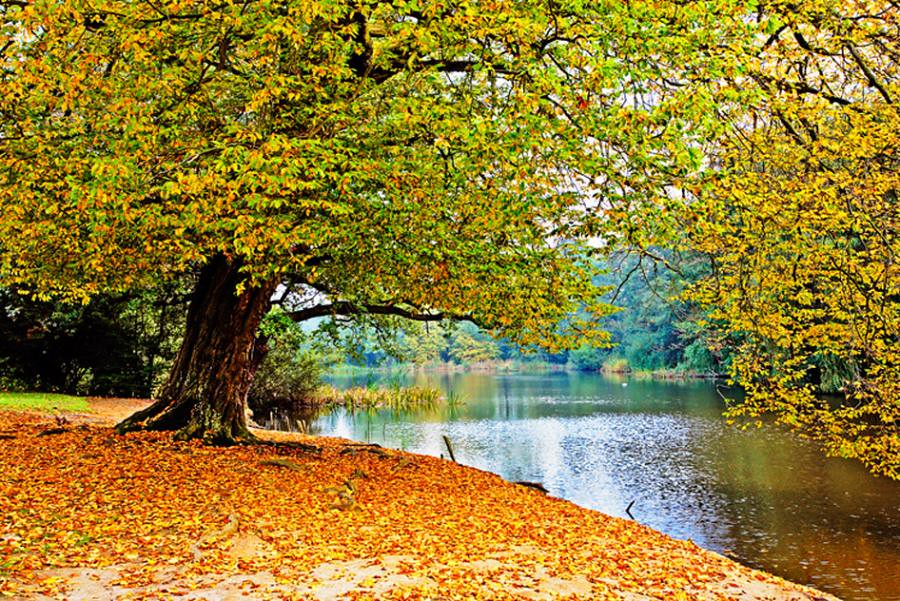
{"points": [[432, 158], [800, 223]]}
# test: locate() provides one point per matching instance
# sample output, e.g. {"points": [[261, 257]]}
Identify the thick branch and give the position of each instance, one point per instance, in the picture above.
{"points": [[347, 308], [870, 76]]}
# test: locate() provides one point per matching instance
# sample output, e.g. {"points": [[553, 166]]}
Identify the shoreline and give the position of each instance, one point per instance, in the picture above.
{"points": [[349, 519]]}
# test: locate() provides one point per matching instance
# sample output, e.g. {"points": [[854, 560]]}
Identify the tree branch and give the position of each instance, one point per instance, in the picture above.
{"points": [[347, 308], [870, 76]]}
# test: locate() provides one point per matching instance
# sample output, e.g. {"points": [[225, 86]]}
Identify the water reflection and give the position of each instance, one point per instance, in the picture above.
{"points": [[764, 497]]}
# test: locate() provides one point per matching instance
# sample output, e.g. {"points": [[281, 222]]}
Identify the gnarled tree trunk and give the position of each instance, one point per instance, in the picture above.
{"points": [[205, 394]]}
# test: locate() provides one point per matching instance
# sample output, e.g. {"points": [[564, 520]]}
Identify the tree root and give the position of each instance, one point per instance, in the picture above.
{"points": [[52, 431], [227, 530], [277, 444], [356, 449]]}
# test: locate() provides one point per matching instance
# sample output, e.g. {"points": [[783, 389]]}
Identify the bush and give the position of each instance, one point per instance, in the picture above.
{"points": [[288, 375], [616, 365], [588, 358]]}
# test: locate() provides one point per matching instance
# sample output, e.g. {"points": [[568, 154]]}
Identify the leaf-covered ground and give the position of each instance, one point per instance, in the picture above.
{"points": [[87, 514]]}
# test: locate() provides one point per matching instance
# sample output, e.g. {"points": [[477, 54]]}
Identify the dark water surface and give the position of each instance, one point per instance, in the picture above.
{"points": [[764, 497]]}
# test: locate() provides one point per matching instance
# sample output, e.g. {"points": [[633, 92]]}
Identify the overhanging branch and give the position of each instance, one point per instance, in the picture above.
{"points": [[345, 308]]}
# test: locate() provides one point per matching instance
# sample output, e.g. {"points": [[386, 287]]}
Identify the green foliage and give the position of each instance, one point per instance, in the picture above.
{"points": [[428, 345], [468, 346], [588, 358], [289, 374], [616, 365], [698, 358], [654, 329], [111, 346]]}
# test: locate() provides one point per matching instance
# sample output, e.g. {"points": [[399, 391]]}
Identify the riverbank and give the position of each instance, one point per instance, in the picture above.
{"points": [[87, 514]]}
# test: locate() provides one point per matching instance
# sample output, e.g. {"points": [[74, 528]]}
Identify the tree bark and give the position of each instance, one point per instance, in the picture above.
{"points": [[205, 395]]}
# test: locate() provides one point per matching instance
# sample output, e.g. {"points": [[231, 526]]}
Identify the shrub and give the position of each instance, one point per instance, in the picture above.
{"points": [[288, 375]]}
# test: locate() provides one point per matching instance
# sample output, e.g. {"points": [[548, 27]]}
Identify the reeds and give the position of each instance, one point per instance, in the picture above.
{"points": [[369, 397]]}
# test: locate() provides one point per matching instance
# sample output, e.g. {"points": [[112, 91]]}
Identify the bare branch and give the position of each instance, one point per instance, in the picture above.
{"points": [[344, 308]]}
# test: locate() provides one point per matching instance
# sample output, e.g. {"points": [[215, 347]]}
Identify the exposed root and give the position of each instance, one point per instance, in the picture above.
{"points": [[227, 530], [405, 462], [282, 462], [197, 424], [52, 431], [286, 444]]}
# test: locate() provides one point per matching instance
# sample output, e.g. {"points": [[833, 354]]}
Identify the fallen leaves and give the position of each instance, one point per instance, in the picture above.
{"points": [[143, 516]]}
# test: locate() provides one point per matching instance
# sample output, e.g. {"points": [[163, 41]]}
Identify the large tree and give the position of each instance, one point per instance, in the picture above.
{"points": [[463, 159], [425, 160]]}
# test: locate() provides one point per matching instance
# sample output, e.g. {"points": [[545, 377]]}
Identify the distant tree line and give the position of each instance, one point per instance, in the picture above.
{"points": [[652, 331], [122, 345]]}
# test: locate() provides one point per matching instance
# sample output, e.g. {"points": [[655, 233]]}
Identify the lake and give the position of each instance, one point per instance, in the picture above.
{"points": [[764, 497]]}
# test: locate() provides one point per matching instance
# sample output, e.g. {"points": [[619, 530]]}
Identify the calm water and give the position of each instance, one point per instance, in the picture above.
{"points": [[763, 497]]}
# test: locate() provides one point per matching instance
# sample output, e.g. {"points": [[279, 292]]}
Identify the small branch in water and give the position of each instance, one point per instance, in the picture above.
{"points": [[628, 509], [535, 485], [449, 448]]}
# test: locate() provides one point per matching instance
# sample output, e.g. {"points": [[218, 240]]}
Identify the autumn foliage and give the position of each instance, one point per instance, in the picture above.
{"points": [[141, 516], [800, 224]]}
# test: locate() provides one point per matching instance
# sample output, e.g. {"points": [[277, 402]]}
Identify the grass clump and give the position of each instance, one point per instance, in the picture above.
{"points": [[364, 397], [616, 365], [42, 401]]}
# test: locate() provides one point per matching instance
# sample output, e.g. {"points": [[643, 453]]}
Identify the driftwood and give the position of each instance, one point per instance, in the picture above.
{"points": [[534, 485]]}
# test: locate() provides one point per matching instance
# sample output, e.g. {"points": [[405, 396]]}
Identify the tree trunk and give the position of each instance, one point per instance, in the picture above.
{"points": [[205, 395]]}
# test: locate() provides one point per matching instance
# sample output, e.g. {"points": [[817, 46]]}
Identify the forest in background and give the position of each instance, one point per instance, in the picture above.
{"points": [[653, 332]]}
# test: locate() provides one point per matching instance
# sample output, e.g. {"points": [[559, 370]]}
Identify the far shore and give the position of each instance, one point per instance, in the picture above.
{"points": [[513, 367]]}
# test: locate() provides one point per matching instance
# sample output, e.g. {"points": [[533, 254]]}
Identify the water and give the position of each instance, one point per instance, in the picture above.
{"points": [[763, 497]]}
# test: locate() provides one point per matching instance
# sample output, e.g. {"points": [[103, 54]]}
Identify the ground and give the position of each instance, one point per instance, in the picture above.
{"points": [[88, 514]]}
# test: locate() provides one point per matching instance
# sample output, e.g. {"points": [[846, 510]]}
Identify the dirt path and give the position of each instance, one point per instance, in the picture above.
{"points": [[86, 514]]}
